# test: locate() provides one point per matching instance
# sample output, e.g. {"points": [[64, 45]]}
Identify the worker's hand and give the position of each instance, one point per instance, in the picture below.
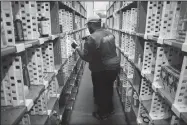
{"points": [[74, 45], [85, 37]]}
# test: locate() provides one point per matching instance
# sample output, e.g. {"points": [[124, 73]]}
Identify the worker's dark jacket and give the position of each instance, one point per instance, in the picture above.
{"points": [[100, 51]]}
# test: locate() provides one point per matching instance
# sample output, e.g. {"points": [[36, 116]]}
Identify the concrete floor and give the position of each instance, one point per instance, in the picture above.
{"points": [[84, 106]]}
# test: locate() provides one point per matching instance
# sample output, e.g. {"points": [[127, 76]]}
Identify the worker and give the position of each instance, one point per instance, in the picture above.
{"points": [[100, 52]]}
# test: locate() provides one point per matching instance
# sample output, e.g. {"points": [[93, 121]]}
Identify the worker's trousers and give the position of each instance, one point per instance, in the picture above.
{"points": [[103, 89]]}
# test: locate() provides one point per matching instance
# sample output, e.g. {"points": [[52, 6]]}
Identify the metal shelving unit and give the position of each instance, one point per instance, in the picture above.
{"points": [[50, 61], [151, 42]]}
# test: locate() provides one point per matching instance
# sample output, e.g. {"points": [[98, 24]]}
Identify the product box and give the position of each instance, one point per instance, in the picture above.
{"points": [[170, 79]]}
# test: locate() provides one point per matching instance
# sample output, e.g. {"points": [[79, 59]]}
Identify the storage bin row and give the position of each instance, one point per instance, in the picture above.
{"points": [[129, 20], [173, 69], [22, 22], [116, 6], [16, 87], [37, 59], [78, 6], [19, 74], [153, 59], [65, 20], [160, 24], [146, 88], [75, 6], [70, 95], [150, 103], [40, 101]]}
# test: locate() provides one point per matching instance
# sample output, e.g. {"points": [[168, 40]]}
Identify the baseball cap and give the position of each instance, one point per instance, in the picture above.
{"points": [[93, 18]]}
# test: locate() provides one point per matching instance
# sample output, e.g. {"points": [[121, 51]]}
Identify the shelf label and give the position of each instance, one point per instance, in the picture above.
{"points": [[168, 42], [46, 83], [49, 112], [29, 103], [56, 72], [160, 41], [161, 93], [53, 37], [41, 41], [28, 45], [145, 36], [184, 46], [20, 47]]}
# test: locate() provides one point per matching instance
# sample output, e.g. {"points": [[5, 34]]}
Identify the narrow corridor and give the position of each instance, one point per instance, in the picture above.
{"points": [[84, 106]]}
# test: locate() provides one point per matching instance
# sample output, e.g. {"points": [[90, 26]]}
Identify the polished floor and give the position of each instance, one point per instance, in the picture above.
{"points": [[82, 111]]}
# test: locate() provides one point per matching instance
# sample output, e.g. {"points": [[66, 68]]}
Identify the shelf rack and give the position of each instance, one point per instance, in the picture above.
{"points": [[151, 43], [50, 61]]}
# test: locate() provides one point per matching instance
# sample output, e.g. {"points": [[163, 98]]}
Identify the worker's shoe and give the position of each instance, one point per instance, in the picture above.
{"points": [[95, 102], [111, 113], [98, 116]]}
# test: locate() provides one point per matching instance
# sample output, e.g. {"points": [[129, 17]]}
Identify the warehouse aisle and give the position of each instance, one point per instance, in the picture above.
{"points": [[83, 108]]}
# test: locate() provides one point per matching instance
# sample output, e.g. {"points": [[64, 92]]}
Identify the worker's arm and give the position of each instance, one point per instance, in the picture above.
{"points": [[83, 53], [86, 53]]}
